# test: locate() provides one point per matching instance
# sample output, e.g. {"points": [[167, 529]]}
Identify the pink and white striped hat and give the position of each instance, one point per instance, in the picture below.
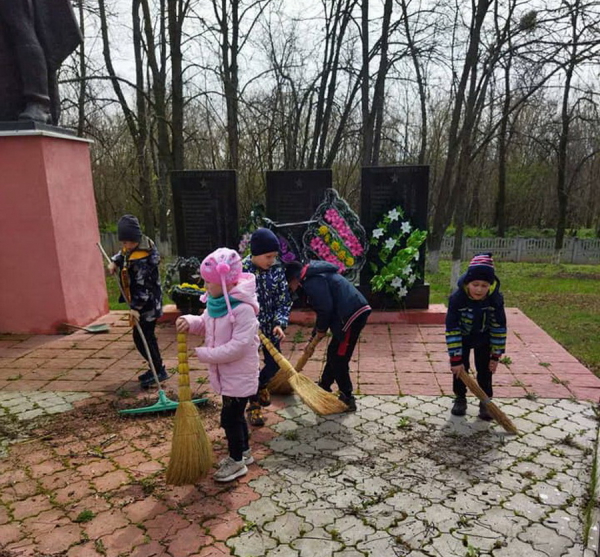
{"points": [[481, 267]]}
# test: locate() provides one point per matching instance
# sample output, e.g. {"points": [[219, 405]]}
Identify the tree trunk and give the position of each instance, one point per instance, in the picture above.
{"points": [[82, 74], [176, 14]]}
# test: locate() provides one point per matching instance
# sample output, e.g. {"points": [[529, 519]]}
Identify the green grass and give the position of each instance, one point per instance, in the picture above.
{"points": [[562, 299], [113, 289]]}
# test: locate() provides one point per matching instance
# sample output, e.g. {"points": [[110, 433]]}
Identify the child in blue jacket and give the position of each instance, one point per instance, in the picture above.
{"points": [[341, 308], [476, 321], [275, 305]]}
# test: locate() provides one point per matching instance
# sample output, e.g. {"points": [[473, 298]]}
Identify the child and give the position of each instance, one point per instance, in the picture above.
{"points": [[137, 263], [275, 306], [476, 320], [339, 307], [230, 327]]}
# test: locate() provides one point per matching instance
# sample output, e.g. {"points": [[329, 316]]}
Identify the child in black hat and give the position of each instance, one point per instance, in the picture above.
{"points": [[137, 263], [476, 321], [275, 305]]}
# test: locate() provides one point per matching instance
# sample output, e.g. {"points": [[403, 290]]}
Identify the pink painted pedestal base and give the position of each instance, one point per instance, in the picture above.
{"points": [[51, 271]]}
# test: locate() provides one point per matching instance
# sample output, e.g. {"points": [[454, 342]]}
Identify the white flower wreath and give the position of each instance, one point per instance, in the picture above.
{"points": [[398, 246]]}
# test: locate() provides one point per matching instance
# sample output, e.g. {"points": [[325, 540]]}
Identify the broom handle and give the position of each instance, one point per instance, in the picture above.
{"points": [[309, 350], [474, 387], [137, 324], [277, 356]]}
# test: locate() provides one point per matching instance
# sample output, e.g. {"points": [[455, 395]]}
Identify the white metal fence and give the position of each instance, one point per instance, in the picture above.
{"points": [[110, 242], [541, 250]]}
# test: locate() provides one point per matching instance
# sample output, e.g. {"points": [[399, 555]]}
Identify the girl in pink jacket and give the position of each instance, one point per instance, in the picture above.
{"points": [[230, 328]]}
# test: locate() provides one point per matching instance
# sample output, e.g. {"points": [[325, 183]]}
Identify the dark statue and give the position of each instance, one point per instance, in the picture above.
{"points": [[36, 36]]}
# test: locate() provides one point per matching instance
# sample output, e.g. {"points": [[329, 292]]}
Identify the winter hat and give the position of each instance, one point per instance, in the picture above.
{"points": [[263, 241], [481, 267], [129, 229], [293, 270], [222, 266]]}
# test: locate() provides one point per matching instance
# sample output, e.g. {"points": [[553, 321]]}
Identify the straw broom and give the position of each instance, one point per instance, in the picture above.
{"points": [[495, 412], [317, 399], [191, 451], [280, 384]]}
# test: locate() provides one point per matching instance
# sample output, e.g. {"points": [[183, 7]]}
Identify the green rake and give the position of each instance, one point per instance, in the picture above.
{"points": [[164, 402]]}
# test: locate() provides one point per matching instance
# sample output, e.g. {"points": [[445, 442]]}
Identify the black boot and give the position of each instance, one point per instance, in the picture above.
{"points": [[484, 412], [349, 401], [162, 376], [460, 406]]}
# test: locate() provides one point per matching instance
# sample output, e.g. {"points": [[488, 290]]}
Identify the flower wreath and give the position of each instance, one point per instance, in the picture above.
{"points": [[336, 236], [289, 251], [183, 277], [397, 244]]}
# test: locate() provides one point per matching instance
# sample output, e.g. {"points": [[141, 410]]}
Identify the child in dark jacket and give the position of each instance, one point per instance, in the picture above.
{"points": [[137, 263], [275, 305], [476, 321], [341, 308]]}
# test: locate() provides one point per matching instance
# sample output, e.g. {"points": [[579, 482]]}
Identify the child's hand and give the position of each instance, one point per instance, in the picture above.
{"points": [[278, 332], [112, 267], [493, 366], [181, 325], [457, 369]]}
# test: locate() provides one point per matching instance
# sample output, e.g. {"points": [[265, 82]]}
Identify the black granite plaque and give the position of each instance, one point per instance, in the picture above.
{"points": [[205, 211], [382, 189], [294, 195]]}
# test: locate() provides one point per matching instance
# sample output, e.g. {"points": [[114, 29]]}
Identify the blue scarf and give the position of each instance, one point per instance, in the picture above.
{"points": [[217, 307]]}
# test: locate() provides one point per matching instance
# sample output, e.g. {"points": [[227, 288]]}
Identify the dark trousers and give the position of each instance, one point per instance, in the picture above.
{"points": [[481, 349], [148, 330], [268, 370], [339, 352], [234, 423]]}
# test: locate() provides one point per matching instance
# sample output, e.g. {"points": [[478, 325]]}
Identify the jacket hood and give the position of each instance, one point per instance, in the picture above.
{"points": [[319, 268], [245, 291]]}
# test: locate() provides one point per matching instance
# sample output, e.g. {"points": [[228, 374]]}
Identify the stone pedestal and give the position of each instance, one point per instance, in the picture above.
{"points": [[51, 271]]}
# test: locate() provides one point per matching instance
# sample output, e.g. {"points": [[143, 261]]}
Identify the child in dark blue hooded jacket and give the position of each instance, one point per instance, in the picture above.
{"points": [[341, 308], [476, 321]]}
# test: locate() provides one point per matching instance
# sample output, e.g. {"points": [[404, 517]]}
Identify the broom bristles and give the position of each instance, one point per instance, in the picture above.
{"points": [[280, 384], [317, 399], [494, 411], [191, 451]]}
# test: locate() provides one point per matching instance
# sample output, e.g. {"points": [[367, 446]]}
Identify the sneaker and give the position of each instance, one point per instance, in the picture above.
{"points": [[460, 406], [264, 397], [145, 376], [255, 416], [484, 413], [162, 376], [230, 470], [349, 401], [246, 456]]}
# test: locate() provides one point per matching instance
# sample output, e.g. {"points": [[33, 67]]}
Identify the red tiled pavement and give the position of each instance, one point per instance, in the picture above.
{"points": [[397, 357]]}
